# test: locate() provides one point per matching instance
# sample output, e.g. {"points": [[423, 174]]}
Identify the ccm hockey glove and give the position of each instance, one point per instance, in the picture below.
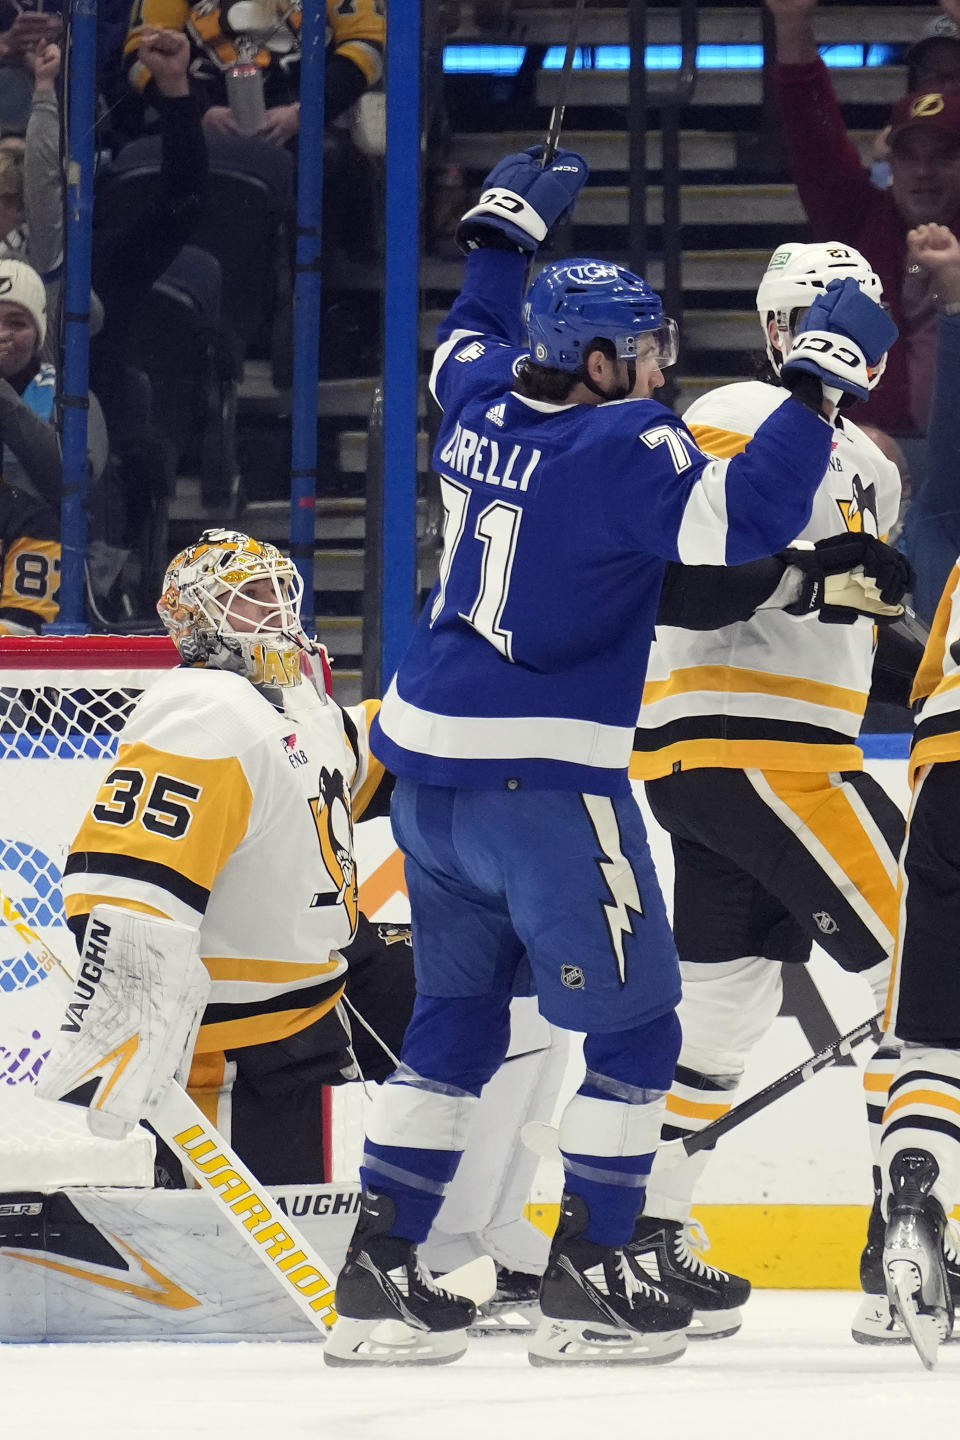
{"points": [[846, 576], [842, 335], [522, 201]]}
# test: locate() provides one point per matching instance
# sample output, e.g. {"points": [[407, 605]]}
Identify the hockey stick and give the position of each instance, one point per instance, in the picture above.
{"points": [[563, 86], [239, 1196], [824, 1059], [242, 1200], [542, 1139]]}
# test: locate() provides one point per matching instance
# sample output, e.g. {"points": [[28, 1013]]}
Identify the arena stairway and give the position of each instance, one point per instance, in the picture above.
{"points": [[736, 205]]}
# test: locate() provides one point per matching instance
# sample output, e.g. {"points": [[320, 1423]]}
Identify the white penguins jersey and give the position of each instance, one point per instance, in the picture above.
{"points": [[936, 688], [777, 691], [234, 815]]}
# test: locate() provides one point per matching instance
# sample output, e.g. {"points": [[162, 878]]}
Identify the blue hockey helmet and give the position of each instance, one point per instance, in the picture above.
{"points": [[572, 302]]}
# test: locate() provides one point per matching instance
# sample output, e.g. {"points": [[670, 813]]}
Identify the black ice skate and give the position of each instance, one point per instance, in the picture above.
{"points": [[390, 1312], [917, 1286], [664, 1249], [513, 1309], [874, 1322], [598, 1305]]}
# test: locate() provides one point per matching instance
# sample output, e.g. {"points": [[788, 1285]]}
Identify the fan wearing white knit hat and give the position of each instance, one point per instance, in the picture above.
{"points": [[31, 457], [31, 450], [29, 492], [23, 316]]}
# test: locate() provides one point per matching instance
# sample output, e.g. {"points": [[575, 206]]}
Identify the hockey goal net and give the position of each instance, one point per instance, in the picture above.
{"points": [[63, 702]]}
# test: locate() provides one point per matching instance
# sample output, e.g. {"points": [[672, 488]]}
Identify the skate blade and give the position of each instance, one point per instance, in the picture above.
{"points": [[573, 1342], [876, 1324], [506, 1319], [904, 1283], [391, 1342], [714, 1324]]}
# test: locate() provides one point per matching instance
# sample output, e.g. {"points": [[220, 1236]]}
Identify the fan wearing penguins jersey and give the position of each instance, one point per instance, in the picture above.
{"points": [[747, 741], [229, 812], [29, 562], [567, 490]]}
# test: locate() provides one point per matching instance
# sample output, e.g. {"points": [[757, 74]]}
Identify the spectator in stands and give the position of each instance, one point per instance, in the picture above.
{"points": [[29, 546], [841, 202], [29, 562], [265, 103], [31, 447], [933, 63], [31, 191], [23, 33], [932, 530], [128, 258]]}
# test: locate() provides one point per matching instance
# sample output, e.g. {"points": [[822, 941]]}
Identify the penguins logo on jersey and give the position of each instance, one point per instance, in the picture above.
{"points": [[333, 818], [860, 511]]}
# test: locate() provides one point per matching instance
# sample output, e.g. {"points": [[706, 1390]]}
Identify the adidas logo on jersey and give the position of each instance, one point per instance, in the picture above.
{"points": [[496, 413]]}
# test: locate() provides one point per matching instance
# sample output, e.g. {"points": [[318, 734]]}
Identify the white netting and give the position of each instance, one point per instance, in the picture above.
{"points": [[62, 703]]}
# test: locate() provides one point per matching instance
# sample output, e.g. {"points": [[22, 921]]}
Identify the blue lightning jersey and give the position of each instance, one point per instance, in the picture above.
{"points": [[527, 664]]}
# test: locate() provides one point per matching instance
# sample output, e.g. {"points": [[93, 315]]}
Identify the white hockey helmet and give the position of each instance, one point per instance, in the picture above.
{"points": [[795, 276], [233, 603]]}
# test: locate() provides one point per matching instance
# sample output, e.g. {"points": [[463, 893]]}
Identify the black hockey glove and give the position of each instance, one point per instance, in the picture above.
{"points": [[846, 576], [522, 200]]}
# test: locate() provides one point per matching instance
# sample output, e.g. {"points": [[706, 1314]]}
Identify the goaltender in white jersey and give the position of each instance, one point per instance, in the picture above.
{"points": [[229, 813], [219, 803]]}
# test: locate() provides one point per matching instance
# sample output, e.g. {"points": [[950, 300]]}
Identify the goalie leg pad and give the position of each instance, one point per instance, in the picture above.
{"points": [[483, 1210], [121, 1263], [130, 1025]]}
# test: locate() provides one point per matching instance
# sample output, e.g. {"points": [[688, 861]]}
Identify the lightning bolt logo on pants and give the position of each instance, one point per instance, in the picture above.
{"points": [[618, 874]]}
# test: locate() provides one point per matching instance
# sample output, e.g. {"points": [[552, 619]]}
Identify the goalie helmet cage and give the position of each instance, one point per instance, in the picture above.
{"points": [[63, 701]]}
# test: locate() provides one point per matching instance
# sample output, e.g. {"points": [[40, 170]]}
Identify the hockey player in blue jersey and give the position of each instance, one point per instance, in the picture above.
{"points": [[566, 490]]}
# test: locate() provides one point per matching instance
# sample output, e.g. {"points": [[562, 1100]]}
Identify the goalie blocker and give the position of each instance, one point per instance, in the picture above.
{"points": [[129, 1026]]}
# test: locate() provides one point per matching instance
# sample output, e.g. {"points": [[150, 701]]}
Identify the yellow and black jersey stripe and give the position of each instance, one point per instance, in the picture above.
{"points": [[356, 31], [285, 1003], [372, 796], [30, 561], [936, 688], [773, 691], [158, 834]]}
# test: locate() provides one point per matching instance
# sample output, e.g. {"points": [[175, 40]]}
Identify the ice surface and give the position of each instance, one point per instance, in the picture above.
{"points": [[792, 1373]]}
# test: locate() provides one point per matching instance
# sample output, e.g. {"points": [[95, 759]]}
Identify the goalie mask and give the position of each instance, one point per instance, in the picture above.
{"points": [[233, 603], [794, 278]]}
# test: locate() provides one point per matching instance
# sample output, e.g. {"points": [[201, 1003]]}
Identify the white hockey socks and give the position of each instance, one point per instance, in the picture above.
{"points": [[726, 1008]]}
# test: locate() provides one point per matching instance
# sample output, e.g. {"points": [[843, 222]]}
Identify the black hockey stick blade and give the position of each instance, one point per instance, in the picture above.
{"points": [[563, 86], [831, 1055]]}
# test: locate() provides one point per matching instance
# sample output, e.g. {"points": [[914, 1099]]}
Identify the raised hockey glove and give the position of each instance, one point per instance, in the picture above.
{"points": [[522, 200], [842, 335], [846, 576]]}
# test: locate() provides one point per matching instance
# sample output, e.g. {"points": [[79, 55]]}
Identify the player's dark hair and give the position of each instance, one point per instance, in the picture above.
{"points": [[553, 386]]}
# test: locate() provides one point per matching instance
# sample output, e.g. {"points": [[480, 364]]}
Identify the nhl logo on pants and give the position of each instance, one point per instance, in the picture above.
{"points": [[572, 977], [825, 923]]}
